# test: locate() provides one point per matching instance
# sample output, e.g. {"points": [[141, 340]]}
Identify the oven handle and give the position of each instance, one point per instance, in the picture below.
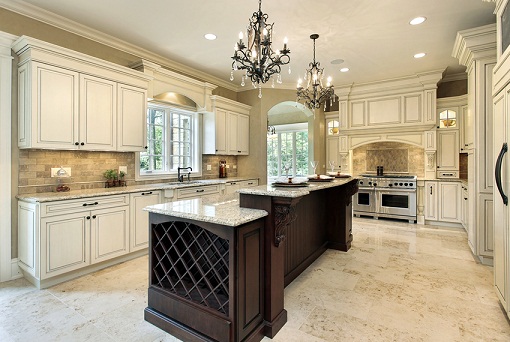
{"points": [[497, 172], [395, 191]]}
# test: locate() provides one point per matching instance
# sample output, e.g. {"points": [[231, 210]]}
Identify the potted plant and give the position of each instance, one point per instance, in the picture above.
{"points": [[111, 176], [122, 182]]}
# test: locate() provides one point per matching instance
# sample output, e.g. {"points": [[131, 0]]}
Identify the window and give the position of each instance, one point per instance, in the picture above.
{"points": [[172, 142], [288, 149], [448, 118]]}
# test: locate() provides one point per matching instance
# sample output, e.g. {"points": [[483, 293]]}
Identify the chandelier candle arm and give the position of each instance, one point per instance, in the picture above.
{"points": [[256, 57], [315, 93]]}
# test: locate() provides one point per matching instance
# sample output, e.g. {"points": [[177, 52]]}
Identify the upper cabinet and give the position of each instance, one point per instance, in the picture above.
{"points": [[68, 100], [227, 128]]}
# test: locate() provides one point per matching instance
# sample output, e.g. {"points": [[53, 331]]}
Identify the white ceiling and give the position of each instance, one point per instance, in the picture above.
{"points": [[373, 37]]}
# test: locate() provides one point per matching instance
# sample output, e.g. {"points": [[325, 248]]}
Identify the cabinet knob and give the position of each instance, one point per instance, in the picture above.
{"points": [[145, 147], [94, 216], [238, 151], [82, 144], [88, 217], [76, 143], [465, 198]]}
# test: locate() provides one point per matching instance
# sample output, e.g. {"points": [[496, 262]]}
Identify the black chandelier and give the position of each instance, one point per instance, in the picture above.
{"points": [[257, 58], [315, 93]]}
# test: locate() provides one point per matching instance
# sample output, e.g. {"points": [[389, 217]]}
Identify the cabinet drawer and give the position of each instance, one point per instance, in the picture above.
{"points": [[83, 204], [198, 191], [248, 183], [447, 174]]}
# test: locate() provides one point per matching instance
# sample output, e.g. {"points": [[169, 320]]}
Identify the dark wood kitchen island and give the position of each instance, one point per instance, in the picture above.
{"points": [[218, 266]]}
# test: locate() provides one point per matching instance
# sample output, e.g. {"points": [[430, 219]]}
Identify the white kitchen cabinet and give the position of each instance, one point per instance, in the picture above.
{"points": [[226, 131], [98, 113], [464, 205], [197, 191], [233, 186], [431, 200], [60, 240], [48, 112], [131, 118], [465, 126], [139, 218], [332, 152], [448, 153], [442, 201], [65, 244], [109, 233], [68, 100]]}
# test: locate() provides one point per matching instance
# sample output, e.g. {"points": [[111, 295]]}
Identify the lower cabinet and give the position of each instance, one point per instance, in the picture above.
{"points": [[443, 201], [232, 187], [139, 218], [57, 239]]}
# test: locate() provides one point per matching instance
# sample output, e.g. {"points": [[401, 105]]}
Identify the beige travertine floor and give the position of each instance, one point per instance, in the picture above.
{"points": [[399, 282]]}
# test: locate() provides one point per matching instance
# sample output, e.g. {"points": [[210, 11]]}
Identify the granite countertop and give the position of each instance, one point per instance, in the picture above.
{"points": [[293, 192], [218, 209], [85, 193]]}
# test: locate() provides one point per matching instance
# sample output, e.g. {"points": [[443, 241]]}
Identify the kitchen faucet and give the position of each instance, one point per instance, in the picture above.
{"points": [[180, 177]]}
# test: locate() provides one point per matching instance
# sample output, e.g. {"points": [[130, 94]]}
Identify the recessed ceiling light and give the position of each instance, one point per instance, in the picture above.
{"points": [[337, 61], [417, 20], [210, 36], [420, 55], [344, 69]]}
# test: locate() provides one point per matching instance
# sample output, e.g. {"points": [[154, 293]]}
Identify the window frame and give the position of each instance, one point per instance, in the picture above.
{"points": [[288, 128], [196, 144]]}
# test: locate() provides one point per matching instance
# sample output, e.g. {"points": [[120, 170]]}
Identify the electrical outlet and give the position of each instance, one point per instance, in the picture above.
{"points": [[234, 166], [123, 169], [228, 166], [209, 167], [54, 171]]}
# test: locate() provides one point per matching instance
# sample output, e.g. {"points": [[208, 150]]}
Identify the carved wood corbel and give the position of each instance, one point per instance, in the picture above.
{"points": [[284, 215]]}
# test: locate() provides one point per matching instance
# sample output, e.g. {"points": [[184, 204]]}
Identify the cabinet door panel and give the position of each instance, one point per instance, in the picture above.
{"points": [[232, 131], [221, 131], [64, 244], [139, 225], [448, 154], [430, 197], [109, 233], [449, 202], [98, 113], [132, 122], [243, 137], [55, 106]]}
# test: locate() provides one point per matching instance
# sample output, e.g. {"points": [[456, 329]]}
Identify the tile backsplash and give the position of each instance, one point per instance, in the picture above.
{"points": [[393, 156], [87, 168]]}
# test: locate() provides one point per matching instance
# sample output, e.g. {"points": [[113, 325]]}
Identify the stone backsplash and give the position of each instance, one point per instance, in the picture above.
{"points": [[393, 156], [87, 168]]}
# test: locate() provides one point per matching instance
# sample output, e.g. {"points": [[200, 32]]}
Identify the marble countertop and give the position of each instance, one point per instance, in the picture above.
{"points": [[218, 209], [293, 192], [84, 193]]}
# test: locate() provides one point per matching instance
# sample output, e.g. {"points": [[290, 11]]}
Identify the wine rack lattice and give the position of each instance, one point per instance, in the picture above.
{"points": [[191, 262]]}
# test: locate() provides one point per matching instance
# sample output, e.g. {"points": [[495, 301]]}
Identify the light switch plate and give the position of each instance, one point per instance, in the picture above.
{"points": [[228, 166], [234, 166], [209, 167], [54, 171], [123, 169]]}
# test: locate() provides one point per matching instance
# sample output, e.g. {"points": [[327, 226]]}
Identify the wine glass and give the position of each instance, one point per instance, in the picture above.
{"points": [[332, 164], [287, 167], [314, 164]]}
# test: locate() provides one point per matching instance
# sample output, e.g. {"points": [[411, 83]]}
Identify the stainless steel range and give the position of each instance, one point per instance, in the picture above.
{"points": [[392, 196]]}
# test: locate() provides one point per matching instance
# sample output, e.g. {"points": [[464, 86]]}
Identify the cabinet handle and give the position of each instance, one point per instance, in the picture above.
{"points": [[250, 183], [438, 167], [76, 143], [201, 190], [94, 216], [233, 183], [465, 198], [88, 217], [146, 193], [431, 189], [82, 144], [86, 204], [238, 151], [497, 172], [145, 147]]}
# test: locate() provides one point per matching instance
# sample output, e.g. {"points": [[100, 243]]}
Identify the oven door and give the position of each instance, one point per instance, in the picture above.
{"points": [[397, 202], [364, 201]]}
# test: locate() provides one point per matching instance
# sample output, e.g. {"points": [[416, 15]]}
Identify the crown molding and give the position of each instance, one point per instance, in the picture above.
{"points": [[475, 43], [36, 13]]}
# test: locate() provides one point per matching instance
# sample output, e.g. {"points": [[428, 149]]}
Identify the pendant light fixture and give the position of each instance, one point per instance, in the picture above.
{"points": [[257, 57], [315, 93]]}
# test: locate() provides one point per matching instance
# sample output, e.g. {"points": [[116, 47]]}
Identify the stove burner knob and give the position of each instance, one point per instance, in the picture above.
{"points": [[375, 184], [405, 184], [395, 184], [410, 184], [360, 182], [400, 184], [369, 183], [391, 185]]}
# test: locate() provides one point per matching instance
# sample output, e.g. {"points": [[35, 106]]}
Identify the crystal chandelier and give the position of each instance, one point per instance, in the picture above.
{"points": [[315, 93], [257, 58]]}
